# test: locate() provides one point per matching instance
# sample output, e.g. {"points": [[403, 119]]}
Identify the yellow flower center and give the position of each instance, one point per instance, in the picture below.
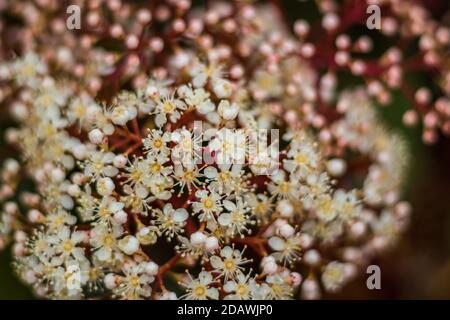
{"points": [[229, 265], [208, 203], [108, 240], [326, 206], [158, 143], [103, 212], [200, 291], [285, 187], [27, 70], [261, 208], [136, 175], [168, 107], [46, 100], [98, 166], [134, 281], [224, 176], [68, 246], [242, 290], [80, 110], [93, 274], [156, 167], [301, 159], [48, 269], [189, 175]]}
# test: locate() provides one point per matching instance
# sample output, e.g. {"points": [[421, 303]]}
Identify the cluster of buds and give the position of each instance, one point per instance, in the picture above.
{"points": [[174, 152]]}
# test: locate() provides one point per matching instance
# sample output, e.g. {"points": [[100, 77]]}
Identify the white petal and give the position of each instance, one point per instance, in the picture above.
{"points": [[116, 206], [160, 119], [230, 206], [229, 286], [77, 236], [216, 262], [210, 172], [78, 253], [226, 252], [180, 215], [213, 293], [224, 219], [199, 80], [205, 277], [276, 243], [103, 254], [141, 191], [111, 171]]}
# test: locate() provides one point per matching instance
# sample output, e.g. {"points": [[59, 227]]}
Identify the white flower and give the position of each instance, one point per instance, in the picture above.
{"points": [[335, 276], [104, 241], [100, 165], [240, 289], [316, 185], [156, 143], [347, 204], [197, 98], [230, 262], [230, 146], [287, 250], [279, 287], [28, 69], [79, 109], [121, 114], [155, 168], [226, 180], [228, 111], [136, 174], [96, 136], [161, 189], [336, 167], [50, 100], [198, 238], [67, 243], [261, 206], [200, 288], [168, 106], [302, 159], [236, 219], [187, 176], [266, 85], [135, 284], [54, 221], [282, 188], [222, 88], [105, 186], [188, 148], [264, 162], [129, 245], [325, 208], [170, 221], [156, 88], [208, 205], [200, 73]]}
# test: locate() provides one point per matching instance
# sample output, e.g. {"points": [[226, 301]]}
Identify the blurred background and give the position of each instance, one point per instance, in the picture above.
{"points": [[419, 266]]}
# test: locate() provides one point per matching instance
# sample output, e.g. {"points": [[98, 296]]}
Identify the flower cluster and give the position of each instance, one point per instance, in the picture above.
{"points": [[161, 159]]}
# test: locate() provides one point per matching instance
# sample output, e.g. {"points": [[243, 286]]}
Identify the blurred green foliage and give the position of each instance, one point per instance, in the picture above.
{"points": [[10, 287]]}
